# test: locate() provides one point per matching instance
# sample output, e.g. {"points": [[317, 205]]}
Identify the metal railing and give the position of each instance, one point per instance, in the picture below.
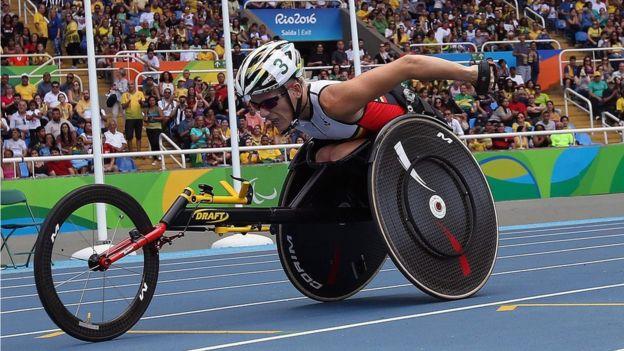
{"points": [[166, 52], [441, 45], [27, 4], [488, 43], [608, 115], [528, 10], [542, 132], [515, 6], [594, 59], [589, 109], [51, 74], [285, 147], [162, 147], [162, 153], [141, 74], [342, 4]]}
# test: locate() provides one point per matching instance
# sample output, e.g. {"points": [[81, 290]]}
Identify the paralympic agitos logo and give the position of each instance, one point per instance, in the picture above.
{"points": [[210, 216]]}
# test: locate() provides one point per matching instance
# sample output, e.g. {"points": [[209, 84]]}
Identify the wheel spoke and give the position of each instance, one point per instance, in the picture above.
{"points": [[103, 293], [119, 292], [82, 294], [83, 237], [70, 257], [120, 217], [72, 278]]}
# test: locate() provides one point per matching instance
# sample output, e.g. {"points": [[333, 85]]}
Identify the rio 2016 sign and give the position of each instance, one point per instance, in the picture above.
{"points": [[303, 24]]}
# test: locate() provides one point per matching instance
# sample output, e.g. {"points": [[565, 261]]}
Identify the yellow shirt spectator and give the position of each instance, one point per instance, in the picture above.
{"points": [[292, 153], [41, 26], [594, 32], [395, 4], [205, 56], [249, 157], [180, 92], [140, 46], [26, 91], [619, 105], [220, 50], [362, 15], [134, 109], [269, 155]]}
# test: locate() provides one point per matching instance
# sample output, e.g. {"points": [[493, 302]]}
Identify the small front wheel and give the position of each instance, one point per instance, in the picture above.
{"points": [[88, 303]]}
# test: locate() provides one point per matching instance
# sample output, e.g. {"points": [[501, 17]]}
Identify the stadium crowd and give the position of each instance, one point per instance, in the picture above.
{"points": [[53, 117]]}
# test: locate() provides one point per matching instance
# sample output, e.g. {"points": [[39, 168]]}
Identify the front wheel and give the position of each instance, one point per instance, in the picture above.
{"points": [[85, 302]]}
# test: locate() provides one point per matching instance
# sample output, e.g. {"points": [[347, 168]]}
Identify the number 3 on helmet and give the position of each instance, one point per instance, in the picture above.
{"points": [[268, 68]]}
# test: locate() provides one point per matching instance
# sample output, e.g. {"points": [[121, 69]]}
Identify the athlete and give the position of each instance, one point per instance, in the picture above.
{"points": [[271, 79]]}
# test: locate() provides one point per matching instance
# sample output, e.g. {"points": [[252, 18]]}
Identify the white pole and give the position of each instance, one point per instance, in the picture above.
{"points": [[229, 77], [355, 41], [98, 170]]}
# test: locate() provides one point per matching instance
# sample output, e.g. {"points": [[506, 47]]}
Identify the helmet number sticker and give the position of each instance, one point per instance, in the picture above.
{"points": [[280, 66]]}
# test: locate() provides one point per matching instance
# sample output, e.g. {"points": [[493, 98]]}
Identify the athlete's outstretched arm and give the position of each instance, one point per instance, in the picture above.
{"points": [[342, 101]]}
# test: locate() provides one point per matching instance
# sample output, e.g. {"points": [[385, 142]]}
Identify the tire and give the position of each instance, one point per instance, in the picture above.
{"points": [[43, 264]]}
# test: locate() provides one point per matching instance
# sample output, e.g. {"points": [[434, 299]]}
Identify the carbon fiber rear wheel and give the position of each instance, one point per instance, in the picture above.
{"points": [[433, 207]]}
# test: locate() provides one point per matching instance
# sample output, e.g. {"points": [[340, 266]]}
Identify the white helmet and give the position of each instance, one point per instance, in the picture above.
{"points": [[267, 68]]}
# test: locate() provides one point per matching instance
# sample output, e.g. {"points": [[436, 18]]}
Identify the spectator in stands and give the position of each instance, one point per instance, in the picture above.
{"points": [[383, 56], [503, 114], [69, 82], [132, 104], [339, 56], [520, 142], [597, 87], [502, 143], [60, 168], [83, 107], [541, 98], [37, 168], [16, 144], [114, 142], [516, 106], [318, 57], [151, 63], [17, 120], [453, 123], [45, 85], [533, 61], [75, 93], [71, 38], [153, 119], [561, 140], [516, 78], [521, 53], [9, 170], [51, 97], [26, 90], [199, 136], [269, 155], [184, 128], [571, 73], [251, 156], [546, 121], [66, 140]]}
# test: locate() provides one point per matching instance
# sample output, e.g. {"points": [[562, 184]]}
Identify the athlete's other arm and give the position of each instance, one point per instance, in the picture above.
{"points": [[342, 101]]}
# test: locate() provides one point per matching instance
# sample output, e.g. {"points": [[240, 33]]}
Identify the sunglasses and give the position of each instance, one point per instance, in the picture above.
{"points": [[268, 104]]}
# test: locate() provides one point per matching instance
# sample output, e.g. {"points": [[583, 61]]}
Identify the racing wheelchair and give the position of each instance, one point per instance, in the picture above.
{"points": [[413, 192]]}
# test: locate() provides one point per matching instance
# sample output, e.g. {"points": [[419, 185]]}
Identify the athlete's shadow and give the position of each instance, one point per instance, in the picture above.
{"points": [[370, 303]]}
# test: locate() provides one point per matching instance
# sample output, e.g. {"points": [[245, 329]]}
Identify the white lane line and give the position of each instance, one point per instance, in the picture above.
{"points": [[303, 297], [160, 272], [559, 234], [280, 270], [596, 225], [163, 263], [159, 282], [409, 316], [560, 251], [563, 240]]}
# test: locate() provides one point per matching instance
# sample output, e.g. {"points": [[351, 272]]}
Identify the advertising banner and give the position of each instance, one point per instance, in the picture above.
{"points": [[303, 24]]}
